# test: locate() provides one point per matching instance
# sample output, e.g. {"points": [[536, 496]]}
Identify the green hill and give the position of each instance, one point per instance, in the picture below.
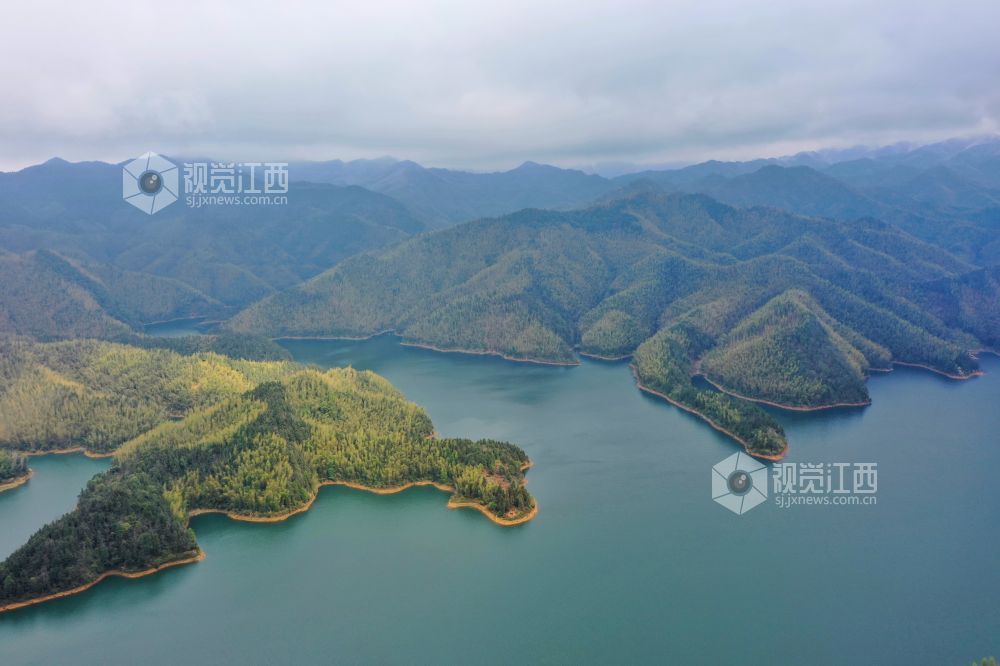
{"points": [[97, 395], [790, 352], [46, 295], [210, 433], [683, 274]]}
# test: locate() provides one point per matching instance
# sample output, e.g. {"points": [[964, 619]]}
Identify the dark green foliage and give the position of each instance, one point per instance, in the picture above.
{"points": [[12, 465], [970, 302], [121, 523], [664, 364]]}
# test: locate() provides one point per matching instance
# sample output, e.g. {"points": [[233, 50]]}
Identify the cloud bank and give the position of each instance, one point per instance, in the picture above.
{"points": [[489, 84]]}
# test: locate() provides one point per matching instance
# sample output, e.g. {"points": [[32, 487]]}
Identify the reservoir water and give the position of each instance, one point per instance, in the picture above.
{"points": [[629, 559]]}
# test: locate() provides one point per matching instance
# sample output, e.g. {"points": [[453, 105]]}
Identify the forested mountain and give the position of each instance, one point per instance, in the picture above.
{"points": [[46, 295], [799, 190], [944, 193], [442, 197], [205, 432], [970, 302], [976, 160], [230, 255], [767, 304], [791, 351], [676, 280]]}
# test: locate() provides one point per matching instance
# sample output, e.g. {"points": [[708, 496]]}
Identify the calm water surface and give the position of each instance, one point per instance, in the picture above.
{"points": [[629, 559]]}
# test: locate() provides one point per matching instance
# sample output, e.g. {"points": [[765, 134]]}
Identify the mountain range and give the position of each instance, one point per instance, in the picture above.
{"points": [[782, 281], [768, 305]]}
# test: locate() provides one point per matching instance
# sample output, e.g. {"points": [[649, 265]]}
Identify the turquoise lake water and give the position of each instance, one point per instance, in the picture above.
{"points": [[629, 559]]}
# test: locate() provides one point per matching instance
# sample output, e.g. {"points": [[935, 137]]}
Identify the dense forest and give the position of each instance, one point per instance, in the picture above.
{"points": [[12, 466], [47, 296], [767, 305], [206, 432], [97, 395]]}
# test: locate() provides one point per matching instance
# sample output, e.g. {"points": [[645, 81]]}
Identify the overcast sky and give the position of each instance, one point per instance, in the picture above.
{"points": [[489, 85]]}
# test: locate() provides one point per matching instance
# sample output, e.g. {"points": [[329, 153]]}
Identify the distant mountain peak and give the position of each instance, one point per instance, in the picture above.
{"points": [[533, 166]]}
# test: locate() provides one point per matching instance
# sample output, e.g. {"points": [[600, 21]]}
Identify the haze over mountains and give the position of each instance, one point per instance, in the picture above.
{"points": [[214, 260], [782, 280]]}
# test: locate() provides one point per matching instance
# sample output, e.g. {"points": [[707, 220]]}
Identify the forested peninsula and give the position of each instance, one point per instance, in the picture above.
{"points": [[206, 433]]}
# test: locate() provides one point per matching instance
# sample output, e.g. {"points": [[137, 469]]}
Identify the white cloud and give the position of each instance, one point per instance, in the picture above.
{"points": [[481, 85]]}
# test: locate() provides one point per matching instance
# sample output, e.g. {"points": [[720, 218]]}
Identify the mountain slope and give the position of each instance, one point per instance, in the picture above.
{"points": [[970, 302], [443, 197], [233, 254], [789, 352], [40, 300], [796, 189], [684, 271]]}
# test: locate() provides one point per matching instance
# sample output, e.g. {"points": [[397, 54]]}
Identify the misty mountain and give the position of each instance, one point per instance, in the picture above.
{"points": [[441, 197], [228, 253]]}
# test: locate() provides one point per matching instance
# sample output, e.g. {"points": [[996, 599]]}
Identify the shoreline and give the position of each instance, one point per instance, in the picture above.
{"points": [[174, 320], [473, 352], [421, 345], [790, 408], [971, 375], [277, 518], [703, 417], [66, 452], [604, 358], [16, 482], [353, 338], [503, 522], [104, 576], [390, 490]]}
